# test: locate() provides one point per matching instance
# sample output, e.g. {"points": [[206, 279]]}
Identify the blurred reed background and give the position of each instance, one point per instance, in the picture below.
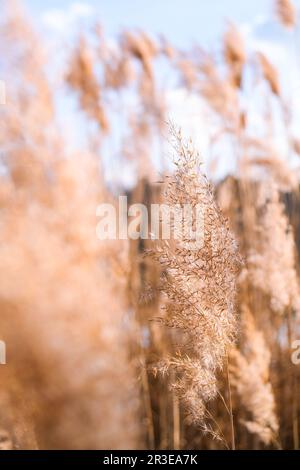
{"points": [[126, 344]]}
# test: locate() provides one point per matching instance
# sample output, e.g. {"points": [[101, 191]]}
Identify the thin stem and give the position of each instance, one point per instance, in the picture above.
{"points": [[176, 423], [147, 403], [293, 381], [230, 405]]}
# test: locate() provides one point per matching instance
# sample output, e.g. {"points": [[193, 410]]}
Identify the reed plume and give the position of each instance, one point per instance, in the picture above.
{"points": [[77, 313], [65, 385], [270, 268], [234, 53], [270, 73], [250, 373], [200, 287], [286, 13], [81, 77]]}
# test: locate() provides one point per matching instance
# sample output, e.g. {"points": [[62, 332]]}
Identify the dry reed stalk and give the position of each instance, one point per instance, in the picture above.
{"points": [[234, 53], [143, 281], [250, 378], [286, 13], [167, 49], [230, 409], [69, 379], [270, 73], [217, 91], [81, 77], [188, 70], [200, 286], [58, 281], [176, 423], [20, 45], [296, 146], [74, 353], [293, 380], [143, 48], [119, 72], [270, 268], [271, 165]]}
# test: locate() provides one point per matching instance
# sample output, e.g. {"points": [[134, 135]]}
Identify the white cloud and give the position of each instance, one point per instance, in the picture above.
{"points": [[247, 28], [61, 20], [268, 36], [187, 111]]}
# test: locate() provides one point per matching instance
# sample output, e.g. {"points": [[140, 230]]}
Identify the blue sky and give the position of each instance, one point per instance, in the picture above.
{"points": [[182, 21]]}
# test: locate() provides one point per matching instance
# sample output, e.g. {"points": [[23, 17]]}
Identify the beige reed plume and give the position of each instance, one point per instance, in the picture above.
{"points": [[82, 78], [234, 53], [250, 378], [286, 13], [272, 268], [270, 73], [69, 382], [200, 286]]}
